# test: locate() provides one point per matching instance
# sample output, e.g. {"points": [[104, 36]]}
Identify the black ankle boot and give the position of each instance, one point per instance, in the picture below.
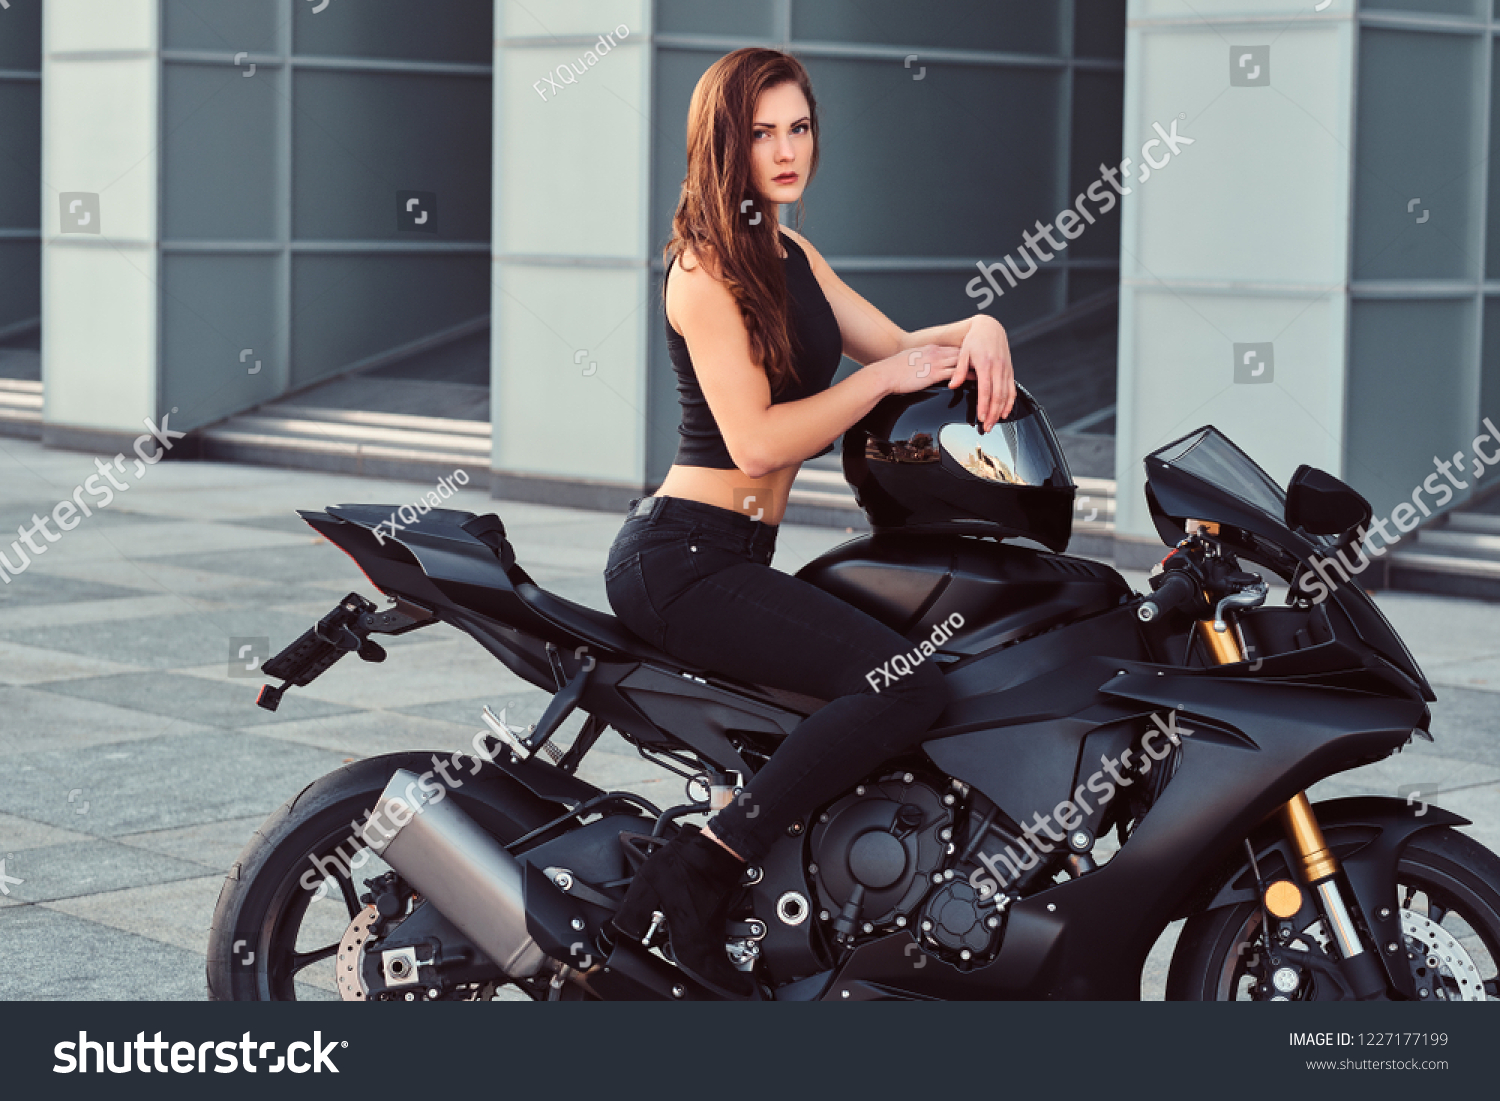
{"points": [[691, 881]]}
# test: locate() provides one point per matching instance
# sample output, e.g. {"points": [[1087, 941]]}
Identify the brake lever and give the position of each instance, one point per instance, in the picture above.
{"points": [[1252, 596]]}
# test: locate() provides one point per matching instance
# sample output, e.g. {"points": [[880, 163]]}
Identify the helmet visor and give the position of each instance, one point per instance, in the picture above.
{"points": [[1020, 450]]}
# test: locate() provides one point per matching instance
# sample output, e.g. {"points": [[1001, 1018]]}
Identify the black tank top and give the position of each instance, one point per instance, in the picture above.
{"points": [[816, 350]]}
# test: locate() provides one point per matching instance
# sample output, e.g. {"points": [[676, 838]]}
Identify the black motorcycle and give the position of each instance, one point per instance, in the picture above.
{"points": [[1188, 722]]}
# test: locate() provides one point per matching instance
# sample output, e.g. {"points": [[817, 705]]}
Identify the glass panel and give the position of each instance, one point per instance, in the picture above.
{"points": [[20, 154], [21, 44], [738, 18], [1431, 7], [444, 30], [917, 299], [220, 155], [877, 195], [1097, 138], [214, 307], [1412, 389], [863, 202], [360, 138], [1416, 169], [1492, 245], [351, 307], [1099, 28], [20, 282], [1489, 367], [1086, 282], [219, 25], [1010, 26]]}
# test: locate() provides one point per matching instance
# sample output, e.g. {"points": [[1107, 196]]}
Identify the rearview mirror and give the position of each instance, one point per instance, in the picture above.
{"points": [[1320, 504]]}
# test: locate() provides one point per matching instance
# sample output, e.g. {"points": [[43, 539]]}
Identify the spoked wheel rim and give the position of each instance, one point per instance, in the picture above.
{"points": [[289, 958]]}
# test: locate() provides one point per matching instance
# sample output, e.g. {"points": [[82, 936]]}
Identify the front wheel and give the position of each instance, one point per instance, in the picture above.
{"points": [[292, 895], [1448, 888]]}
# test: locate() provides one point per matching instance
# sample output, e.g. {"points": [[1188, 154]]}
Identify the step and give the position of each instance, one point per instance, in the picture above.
{"points": [[404, 421], [1446, 563], [1479, 522], [20, 408], [1466, 544], [299, 427]]}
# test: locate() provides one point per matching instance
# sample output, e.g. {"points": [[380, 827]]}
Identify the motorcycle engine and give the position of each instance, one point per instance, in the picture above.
{"points": [[877, 852]]}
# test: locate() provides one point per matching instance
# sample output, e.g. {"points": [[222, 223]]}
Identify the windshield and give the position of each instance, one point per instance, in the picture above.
{"points": [[1211, 457]]}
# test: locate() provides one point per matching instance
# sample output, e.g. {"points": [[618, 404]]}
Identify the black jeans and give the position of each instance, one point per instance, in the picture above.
{"points": [[695, 580]]}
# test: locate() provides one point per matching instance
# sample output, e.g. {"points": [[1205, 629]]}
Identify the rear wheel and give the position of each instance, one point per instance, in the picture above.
{"points": [[1448, 889], [291, 897]]}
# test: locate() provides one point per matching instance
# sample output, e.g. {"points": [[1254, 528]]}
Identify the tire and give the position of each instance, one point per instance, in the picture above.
{"points": [[265, 906], [1457, 881]]}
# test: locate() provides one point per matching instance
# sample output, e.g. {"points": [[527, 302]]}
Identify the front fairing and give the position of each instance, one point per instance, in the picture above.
{"points": [[1203, 476]]}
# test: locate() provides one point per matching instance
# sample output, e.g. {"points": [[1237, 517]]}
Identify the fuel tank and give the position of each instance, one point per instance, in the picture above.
{"points": [[912, 583]]}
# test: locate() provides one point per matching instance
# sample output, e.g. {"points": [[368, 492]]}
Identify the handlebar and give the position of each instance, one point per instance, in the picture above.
{"points": [[1179, 589]]}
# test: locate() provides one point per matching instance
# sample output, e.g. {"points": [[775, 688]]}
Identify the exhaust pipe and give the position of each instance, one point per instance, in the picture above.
{"points": [[457, 867]]}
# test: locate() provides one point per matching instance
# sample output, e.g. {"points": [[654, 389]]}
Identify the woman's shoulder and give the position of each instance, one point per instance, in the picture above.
{"points": [[694, 290], [814, 257]]}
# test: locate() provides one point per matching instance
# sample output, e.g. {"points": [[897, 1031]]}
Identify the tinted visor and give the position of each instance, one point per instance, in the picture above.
{"points": [[1020, 450]]}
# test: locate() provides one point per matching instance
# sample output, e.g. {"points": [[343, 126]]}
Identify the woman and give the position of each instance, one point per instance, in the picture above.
{"points": [[756, 324]]}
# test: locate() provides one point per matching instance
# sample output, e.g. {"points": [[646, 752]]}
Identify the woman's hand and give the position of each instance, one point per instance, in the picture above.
{"points": [[987, 351], [918, 368]]}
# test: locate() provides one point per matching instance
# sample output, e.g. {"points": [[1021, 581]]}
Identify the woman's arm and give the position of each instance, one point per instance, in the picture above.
{"points": [[762, 437], [869, 335]]}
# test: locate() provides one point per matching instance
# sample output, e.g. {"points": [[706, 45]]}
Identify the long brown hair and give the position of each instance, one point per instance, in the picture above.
{"points": [[710, 219]]}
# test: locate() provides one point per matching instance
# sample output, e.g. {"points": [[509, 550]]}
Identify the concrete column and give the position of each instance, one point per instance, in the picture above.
{"points": [[571, 251], [100, 140], [1234, 255]]}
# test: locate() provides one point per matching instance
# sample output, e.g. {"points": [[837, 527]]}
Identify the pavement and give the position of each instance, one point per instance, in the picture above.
{"points": [[134, 765]]}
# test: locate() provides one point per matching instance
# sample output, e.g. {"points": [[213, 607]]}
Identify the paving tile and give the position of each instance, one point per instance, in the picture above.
{"points": [[32, 588], [163, 576], [32, 665], [215, 844], [1480, 671], [14, 514], [19, 834], [430, 673], [310, 557], [163, 782], [37, 720], [225, 701], [22, 624], [178, 913], [522, 702], [156, 538], [372, 733], [89, 867], [163, 641], [70, 959], [1441, 628], [1465, 724]]}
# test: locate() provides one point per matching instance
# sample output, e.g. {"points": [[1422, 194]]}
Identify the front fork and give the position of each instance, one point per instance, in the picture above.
{"points": [[1318, 865]]}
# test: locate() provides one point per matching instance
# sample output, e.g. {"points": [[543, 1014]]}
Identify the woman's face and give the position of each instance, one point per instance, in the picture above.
{"points": [[781, 143]]}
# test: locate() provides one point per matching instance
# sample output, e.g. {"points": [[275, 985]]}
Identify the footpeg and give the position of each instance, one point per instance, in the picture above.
{"points": [[505, 734]]}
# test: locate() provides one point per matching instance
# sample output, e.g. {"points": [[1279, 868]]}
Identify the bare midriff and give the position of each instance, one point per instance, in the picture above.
{"points": [[733, 490]]}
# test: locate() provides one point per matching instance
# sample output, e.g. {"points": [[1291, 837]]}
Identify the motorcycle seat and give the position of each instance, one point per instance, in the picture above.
{"points": [[598, 629], [610, 636]]}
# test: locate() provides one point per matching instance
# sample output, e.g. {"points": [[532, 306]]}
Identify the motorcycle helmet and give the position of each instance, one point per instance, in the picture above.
{"points": [[918, 463]]}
